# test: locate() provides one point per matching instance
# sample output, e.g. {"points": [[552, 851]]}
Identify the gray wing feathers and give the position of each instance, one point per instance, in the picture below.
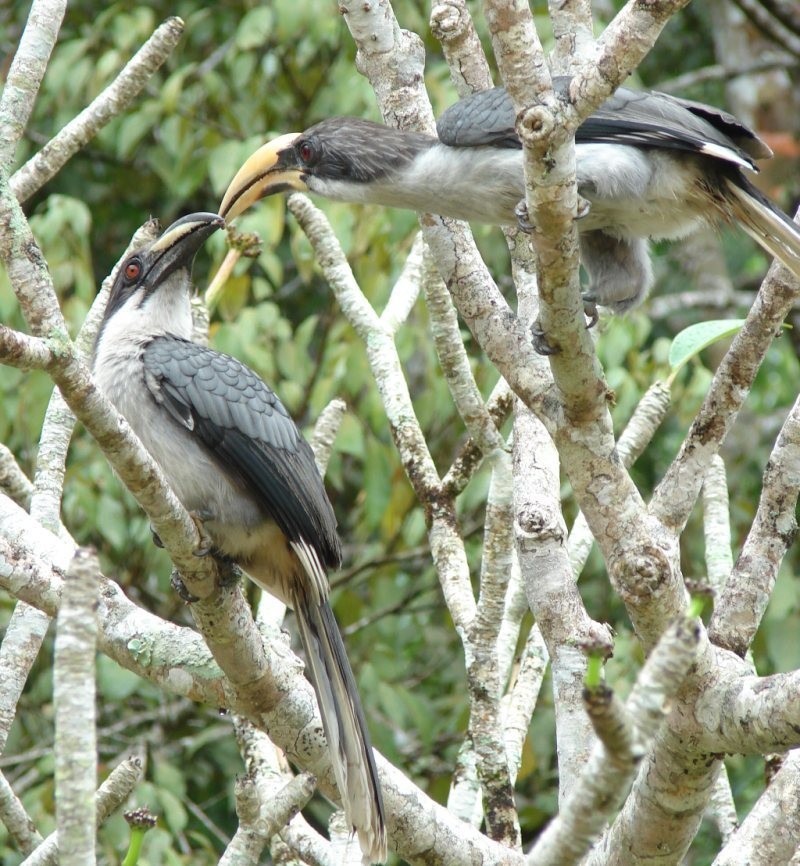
{"points": [[626, 117], [220, 389], [485, 118], [241, 422]]}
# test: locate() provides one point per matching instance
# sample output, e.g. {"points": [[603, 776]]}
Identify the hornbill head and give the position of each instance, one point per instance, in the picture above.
{"points": [[341, 158], [164, 264]]}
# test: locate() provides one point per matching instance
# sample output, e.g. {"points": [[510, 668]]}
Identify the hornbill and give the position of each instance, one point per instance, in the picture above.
{"points": [[239, 464], [649, 164]]}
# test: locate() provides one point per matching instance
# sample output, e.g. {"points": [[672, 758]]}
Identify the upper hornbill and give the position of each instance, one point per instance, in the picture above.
{"points": [[237, 461], [650, 165]]}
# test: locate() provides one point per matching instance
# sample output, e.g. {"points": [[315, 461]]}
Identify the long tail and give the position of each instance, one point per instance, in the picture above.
{"points": [[343, 721], [764, 222]]}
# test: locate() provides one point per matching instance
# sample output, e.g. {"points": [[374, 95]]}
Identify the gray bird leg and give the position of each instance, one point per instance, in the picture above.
{"points": [[619, 270]]}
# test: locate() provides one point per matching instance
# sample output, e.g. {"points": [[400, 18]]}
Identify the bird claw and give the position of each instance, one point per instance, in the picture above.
{"points": [[229, 572], [199, 517], [584, 208], [590, 311], [540, 343], [523, 220], [542, 346], [177, 584], [156, 537]]}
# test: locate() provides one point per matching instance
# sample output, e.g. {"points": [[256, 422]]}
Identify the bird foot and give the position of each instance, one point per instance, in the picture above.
{"points": [[156, 537], [540, 342], [590, 311], [542, 345], [584, 208], [229, 572], [523, 220], [199, 518], [177, 584]]}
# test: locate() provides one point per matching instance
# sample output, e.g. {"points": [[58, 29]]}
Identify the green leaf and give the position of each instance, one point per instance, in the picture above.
{"points": [[115, 683], [695, 338], [255, 28], [174, 812], [133, 128]]}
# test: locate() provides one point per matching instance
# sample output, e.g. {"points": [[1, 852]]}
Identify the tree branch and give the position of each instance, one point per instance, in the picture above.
{"points": [[609, 771], [26, 73], [114, 791], [675, 496], [74, 699], [113, 101], [771, 831], [747, 591]]}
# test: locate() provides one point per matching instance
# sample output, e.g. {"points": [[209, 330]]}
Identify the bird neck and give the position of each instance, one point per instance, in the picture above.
{"points": [[479, 184], [145, 316]]}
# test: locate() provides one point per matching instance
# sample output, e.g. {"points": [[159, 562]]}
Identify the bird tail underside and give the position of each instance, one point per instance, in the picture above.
{"points": [[344, 724], [765, 223]]}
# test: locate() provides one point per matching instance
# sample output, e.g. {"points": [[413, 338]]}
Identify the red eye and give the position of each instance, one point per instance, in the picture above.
{"points": [[306, 151], [132, 270]]}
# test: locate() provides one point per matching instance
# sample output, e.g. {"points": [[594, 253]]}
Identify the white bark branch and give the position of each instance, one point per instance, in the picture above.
{"points": [[678, 491], [608, 772], [44, 165], [18, 822], [74, 699], [455, 364], [109, 797], [550, 586], [770, 834], [405, 291], [26, 72], [177, 660], [13, 481], [452, 25], [717, 525], [651, 410], [749, 587]]}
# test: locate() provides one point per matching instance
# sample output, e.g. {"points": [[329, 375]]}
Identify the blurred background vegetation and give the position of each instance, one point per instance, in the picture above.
{"points": [[243, 72]]}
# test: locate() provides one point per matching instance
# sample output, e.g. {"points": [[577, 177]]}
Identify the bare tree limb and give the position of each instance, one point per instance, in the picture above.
{"points": [[452, 25], [551, 590], [325, 430], [455, 364], [405, 291], [26, 73], [746, 593], [113, 101], [675, 496], [775, 28], [179, 661], [650, 412], [608, 772], [18, 822], [13, 481], [717, 525], [771, 832], [258, 820], [74, 698], [110, 796], [483, 674], [470, 456]]}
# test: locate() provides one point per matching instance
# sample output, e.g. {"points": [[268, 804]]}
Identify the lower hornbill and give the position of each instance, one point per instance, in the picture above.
{"points": [[237, 461], [649, 164]]}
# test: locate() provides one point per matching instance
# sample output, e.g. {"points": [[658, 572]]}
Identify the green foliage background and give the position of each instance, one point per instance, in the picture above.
{"points": [[244, 72]]}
